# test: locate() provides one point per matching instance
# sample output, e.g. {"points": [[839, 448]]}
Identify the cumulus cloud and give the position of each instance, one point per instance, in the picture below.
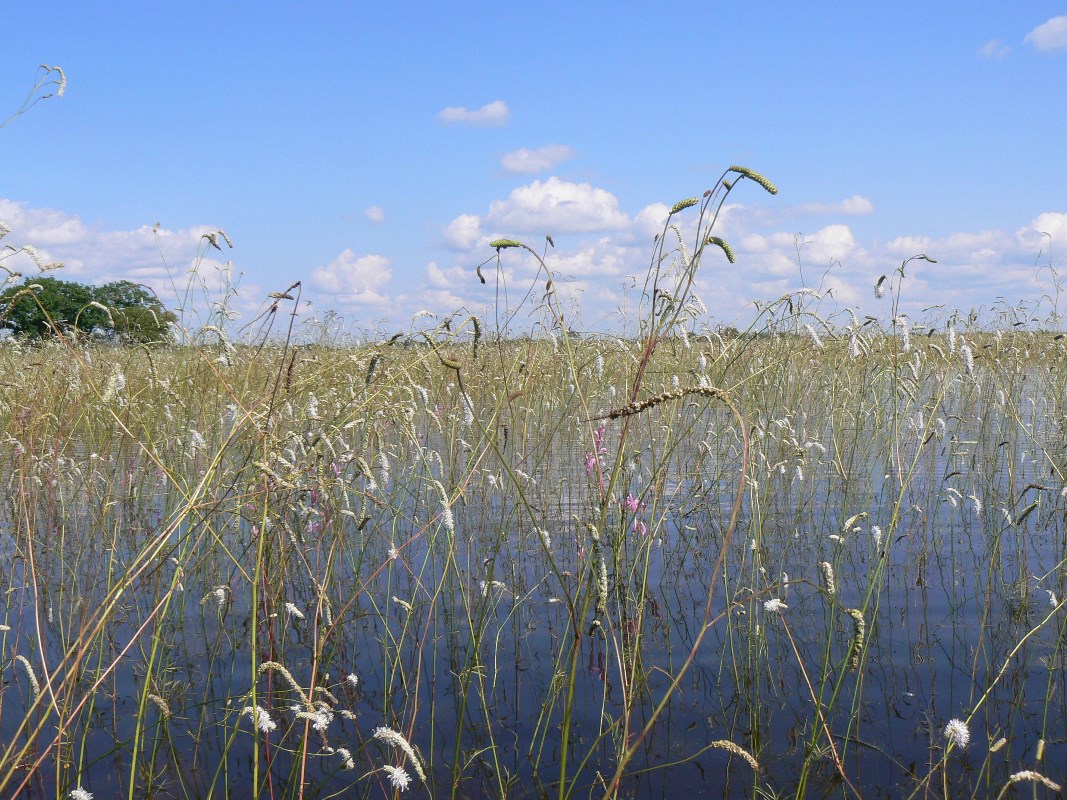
{"points": [[491, 114], [354, 280], [464, 232], [97, 255], [602, 258], [994, 50], [829, 243], [541, 159], [857, 205], [598, 275], [440, 291], [1053, 223], [965, 245], [374, 214], [649, 220], [557, 207], [1049, 35], [448, 278]]}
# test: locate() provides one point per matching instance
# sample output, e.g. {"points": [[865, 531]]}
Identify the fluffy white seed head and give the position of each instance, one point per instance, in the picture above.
{"points": [[957, 733]]}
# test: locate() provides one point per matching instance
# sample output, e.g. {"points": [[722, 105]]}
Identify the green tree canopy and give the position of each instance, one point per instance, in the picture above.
{"points": [[39, 308]]}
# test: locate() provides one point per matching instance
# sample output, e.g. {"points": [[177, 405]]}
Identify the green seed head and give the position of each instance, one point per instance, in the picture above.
{"points": [[753, 175], [681, 205], [501, 244], [715, 240]]}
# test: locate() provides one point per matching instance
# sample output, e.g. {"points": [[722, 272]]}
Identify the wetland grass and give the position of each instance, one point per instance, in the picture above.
{"points": [[817, 557]]}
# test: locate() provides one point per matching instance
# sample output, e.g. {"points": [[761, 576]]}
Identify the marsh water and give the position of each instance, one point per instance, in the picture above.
{"points": [[480, 641]]}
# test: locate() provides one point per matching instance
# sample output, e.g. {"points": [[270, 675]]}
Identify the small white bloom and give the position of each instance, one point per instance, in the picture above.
{"points": [[352, 680], [956, 732], [346, 757], [80, 794], [294, 611], [396, 739], [774, 605], [322, 719], [398, 777], [260, 717]]}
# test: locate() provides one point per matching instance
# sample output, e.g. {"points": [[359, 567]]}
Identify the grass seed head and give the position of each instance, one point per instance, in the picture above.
{"points": [[755, 176]]}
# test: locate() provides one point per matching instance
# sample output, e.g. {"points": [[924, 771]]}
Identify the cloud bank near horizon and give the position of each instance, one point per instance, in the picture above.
{"points": [[601, 255]]}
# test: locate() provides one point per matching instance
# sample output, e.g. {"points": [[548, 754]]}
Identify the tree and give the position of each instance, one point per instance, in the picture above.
{"points": [[45, 306], [137, 314]]}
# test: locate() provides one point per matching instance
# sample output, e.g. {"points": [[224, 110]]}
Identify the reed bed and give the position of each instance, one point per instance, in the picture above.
{"points": [[817, 557]]}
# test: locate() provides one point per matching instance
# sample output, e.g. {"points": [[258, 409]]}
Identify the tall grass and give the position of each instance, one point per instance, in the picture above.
{"points": [[231, 564]]}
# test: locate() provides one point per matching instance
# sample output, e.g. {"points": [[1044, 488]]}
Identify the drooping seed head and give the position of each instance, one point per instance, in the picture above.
{"points": [[681, 205], [722, 245], [755, 176]]}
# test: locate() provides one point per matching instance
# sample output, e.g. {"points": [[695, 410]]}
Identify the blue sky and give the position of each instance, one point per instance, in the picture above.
{"points": [[373, 151]]}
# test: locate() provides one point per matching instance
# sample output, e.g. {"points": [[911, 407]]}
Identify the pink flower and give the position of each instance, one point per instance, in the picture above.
{"points": [[598, 436], [631, 504], [590, 463], [640, 527]]}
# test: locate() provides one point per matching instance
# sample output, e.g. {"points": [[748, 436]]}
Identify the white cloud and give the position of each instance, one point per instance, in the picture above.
{"points": [[541, 159], [374, 214], [494, 113], [98, 255], [768, 255], [994, 50], [557, 207], [464, 232], [857, 205], [449, 278], [1054, 223], [1049, 35], [440, 292], [600, 259], [965, 245], [649, 220], [354, 280], [827, 244]]}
